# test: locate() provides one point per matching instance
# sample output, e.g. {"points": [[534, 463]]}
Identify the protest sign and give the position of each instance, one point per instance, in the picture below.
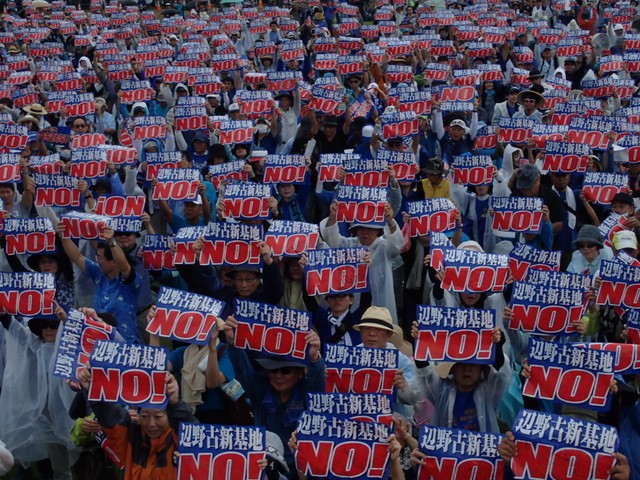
{"points": [[524, 256], [336, 270], [431, 215], [117, 206], [513, 215], [400, 124], [367, 407], [474, 272], [416, 102], [56, 191], [336, 447], [185, 316], [455, 334], [330, 164], [88, 163], [324, 100], [366, 172], [29, 236], [554, 446], [591, 131], [190, 117], [27, 293], [156, 160], [131, 374], [473, 170], [156, 253], [13, 136], [453, 454], [290, 239], [87, 140], [177, 184], [601, 187], [403, 163], [228, 172], [619, 285], [632, 318], [149, 127], [361, 204], [79, 335], [627, 354], [271, 330], [183, 241], [247, 200], [515, 130], [565, 157], [360, 369], [220, 451], [231, 244], [290, 169], [457, 98], [570, 375], [87, 226], [236, 131]]}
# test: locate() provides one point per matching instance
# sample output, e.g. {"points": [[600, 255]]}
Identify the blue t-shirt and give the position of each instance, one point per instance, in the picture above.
{"points": [[465, 413], [118, 298]]}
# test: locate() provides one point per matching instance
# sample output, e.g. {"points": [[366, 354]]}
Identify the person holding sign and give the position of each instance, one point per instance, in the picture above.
{"points": [[466, 395], [147, 447], [278, 392], [385, 244], [117, 283]]}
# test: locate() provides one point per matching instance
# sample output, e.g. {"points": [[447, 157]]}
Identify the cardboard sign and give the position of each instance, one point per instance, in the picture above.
{"points": [[467, 271], [229, 451], [336, 270], [87, 226], [29, 235], [290, 169], [455, 334], [554, 446], [431, 215], [566, 157], [156, 253], [177, 184], [619, 286], [361, 204], [335, 447], [516, 215], [360, 369], [571, 375], [129, 374], [185, 316], [26, 293], [247, 200], [79, 335], [290, 239], [473, 170], [453, 454], [524, 257], [367, 407], [601, 187], [230, 244], [271, 330]]}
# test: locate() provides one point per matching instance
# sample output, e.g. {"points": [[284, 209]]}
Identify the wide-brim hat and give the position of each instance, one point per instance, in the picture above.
{"points": [[275, 363], [376, 317], [373, 226], [35, 109], [589, 233], [531, 94], [28, 118], [245, 268], [275, 450]]}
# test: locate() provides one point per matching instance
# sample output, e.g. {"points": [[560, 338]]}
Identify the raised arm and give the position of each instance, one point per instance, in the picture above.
{"points": [[70, 248]]}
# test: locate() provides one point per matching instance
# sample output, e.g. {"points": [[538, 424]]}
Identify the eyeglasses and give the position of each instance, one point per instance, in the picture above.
{"points": [[282, 370], [586, 245]]}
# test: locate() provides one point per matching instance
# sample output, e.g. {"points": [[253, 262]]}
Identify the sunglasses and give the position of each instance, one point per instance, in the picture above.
{"points": [[585, 245], [282, 370]]}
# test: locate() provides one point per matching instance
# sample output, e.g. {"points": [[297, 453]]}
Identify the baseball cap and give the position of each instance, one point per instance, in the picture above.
{"points": [[625, 239]]}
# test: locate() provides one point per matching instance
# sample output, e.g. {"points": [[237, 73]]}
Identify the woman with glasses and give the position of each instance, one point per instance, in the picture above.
{"points": [[590, 251]]}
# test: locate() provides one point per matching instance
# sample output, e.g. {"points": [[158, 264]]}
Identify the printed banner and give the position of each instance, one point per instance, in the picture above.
{"points": [[157, 160], [524, 256], [404, 163], [88, 163], [351, 369], [401, 124], [230, 244], [366, 172], [272, 330], [185, 316], [431, 215], [601, 187], [291, 239], [467, 271], [134, 375], [336, 447], [455, 334], [565, 157], [56, 190], [367, 407], [361, 204], [473, 170], [27, 293], [229, 451], [513, 215], [156, 253], [457, 98], [571, 375], [247, 200], [330, 164], [619, 285], [453, 454], [236, 131], [79, 335], [29, 235], [87, 226], [337, 270], [177, 184], [555, 446], [291, 169]]}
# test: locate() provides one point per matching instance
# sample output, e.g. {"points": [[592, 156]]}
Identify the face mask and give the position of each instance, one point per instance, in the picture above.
{"points": [[262, 129]]}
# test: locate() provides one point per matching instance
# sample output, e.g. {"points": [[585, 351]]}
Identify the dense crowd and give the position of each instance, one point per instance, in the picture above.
{"points": [[99, 99]]}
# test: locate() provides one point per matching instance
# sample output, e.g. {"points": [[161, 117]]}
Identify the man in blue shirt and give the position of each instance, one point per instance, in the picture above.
{"points": [[117, 283]]}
